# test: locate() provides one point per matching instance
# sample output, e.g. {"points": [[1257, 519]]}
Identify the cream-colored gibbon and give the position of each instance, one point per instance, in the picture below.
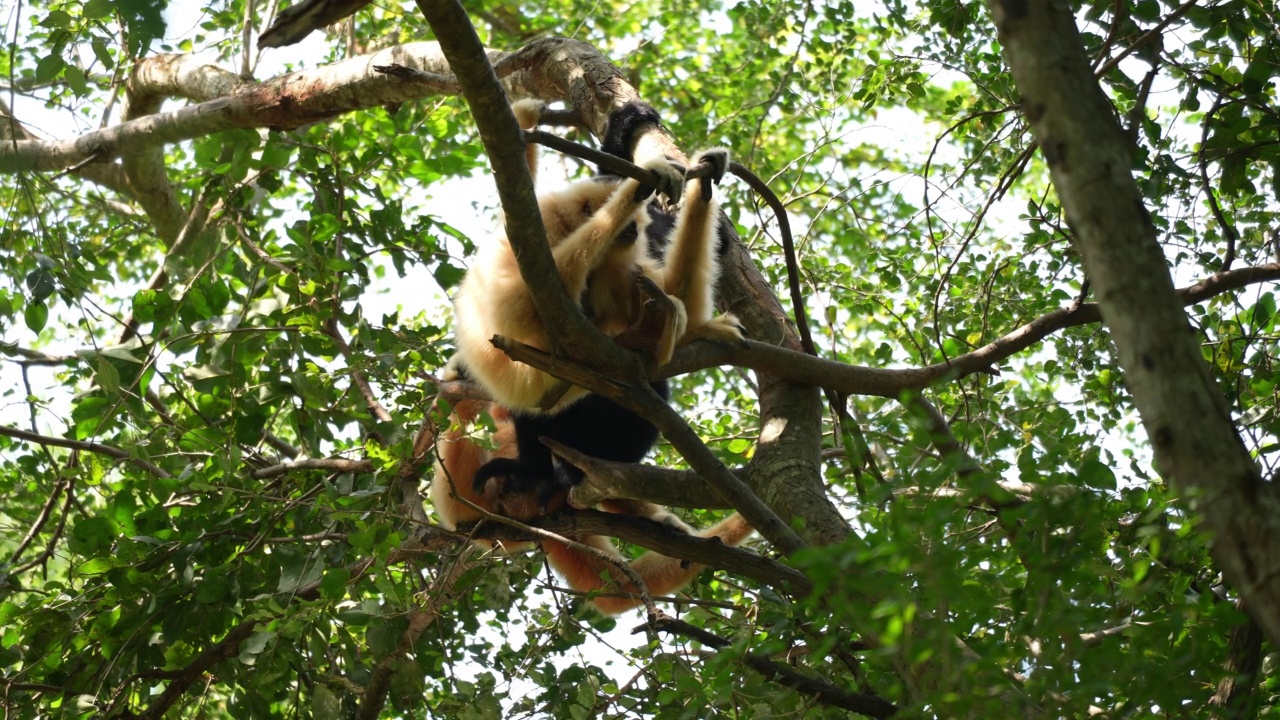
{"points": [[601, 231], [629, 235]]}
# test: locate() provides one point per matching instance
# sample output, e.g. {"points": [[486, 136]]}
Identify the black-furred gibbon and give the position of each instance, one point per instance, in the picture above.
{"points": [[460, 456]]}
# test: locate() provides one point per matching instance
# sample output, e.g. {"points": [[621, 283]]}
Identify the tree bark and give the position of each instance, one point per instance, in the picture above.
{"points": [[1192, 434]]}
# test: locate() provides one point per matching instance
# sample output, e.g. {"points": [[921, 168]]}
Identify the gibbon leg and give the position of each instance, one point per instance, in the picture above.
{"points": [[460, 456]]}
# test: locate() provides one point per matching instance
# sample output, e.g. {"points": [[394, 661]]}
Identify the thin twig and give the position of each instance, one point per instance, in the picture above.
{"points": [[92, 447], [330, 464], [821, 689]]}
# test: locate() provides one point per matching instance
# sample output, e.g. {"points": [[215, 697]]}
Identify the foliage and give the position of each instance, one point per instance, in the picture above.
{"points": [[1038, 564]]}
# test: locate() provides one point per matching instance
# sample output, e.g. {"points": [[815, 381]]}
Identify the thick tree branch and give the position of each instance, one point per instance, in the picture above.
{"points": [[285, 102], [567, 327], [110, 176], [151, 82], [1195, 442], [302, 18]]}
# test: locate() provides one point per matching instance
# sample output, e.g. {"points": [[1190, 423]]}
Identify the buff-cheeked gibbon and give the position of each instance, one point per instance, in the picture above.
{"points": [[602, 231], [583, 224], [680, 254]]}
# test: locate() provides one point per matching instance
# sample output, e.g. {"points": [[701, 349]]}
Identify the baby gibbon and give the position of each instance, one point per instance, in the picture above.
{"points": [[459, 456]]}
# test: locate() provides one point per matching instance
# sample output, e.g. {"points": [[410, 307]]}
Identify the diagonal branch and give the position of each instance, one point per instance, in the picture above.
{"points": [[608, 480], [641, 399], [284, 102], [569, 330], [664, 540], [891, 382]]}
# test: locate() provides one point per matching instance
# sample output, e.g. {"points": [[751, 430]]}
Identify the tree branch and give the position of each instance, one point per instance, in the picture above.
{"points": [[328, 464], [442, 591], [663, 539], [284, 102], [608, 480], [892, 382], [566, 326], [824, 691], [1194, 439], [641, 399], [92, 447]]}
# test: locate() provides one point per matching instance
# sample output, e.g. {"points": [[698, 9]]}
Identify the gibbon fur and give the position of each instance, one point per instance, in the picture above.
{"points": [[602, 231]]}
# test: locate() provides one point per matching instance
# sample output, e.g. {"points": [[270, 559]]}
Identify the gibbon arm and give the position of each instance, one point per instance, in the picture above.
{"points": [[691, 263]]}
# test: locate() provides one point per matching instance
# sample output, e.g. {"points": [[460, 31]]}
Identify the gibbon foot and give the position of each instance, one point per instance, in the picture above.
{"points": [[717, 159], [670, 179], [528, 112], [506, 469], [722, 328]]}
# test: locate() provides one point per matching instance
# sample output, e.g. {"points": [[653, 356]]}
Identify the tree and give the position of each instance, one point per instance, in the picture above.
{"points": [[214, 440]]}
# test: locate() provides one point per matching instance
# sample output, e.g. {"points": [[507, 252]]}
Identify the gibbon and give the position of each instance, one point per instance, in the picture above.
{"points": [[634, 236], [583, 224], [459, 456]]}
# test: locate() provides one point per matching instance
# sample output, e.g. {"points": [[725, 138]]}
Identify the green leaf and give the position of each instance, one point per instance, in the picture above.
{"points": [[98, 9], [215, 586], [145, 22], [107, 376], [334, 584], [298, 572], [56, 19], [92, 536], [48, 68], [96, 566], [1096, 475], [1264, 311], [40, 284], [35, 314]]}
